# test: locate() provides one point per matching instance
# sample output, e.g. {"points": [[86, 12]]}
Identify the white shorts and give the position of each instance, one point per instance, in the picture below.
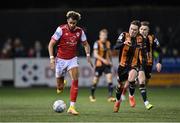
{"points": [[63, 65]]}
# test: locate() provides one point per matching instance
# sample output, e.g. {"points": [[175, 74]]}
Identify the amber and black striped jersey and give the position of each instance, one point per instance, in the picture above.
{"points": [[129, 55], [150, 44], [103, 49]]}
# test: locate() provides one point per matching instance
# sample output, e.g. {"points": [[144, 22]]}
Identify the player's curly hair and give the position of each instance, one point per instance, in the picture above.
{"points": [[136, 22], [74, 15], [145, 23]]}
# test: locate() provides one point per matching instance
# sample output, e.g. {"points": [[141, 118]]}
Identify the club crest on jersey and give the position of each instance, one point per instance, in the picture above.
{"points": [[72, 39], [77, 34]]}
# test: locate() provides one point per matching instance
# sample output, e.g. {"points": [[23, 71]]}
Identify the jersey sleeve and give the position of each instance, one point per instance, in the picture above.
{"points": [[95, 47], [156, 46], [121, 37], [120, 41], [57, 35], [83, 36], [156, 43]]}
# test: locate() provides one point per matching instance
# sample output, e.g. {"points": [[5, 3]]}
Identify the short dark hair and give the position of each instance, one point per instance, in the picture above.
{"points": [[145, 23], [104, 31], [74, 15], [136, 22]]}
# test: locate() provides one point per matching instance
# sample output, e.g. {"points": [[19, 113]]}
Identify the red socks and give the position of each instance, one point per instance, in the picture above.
{"points": [[74, 90]]}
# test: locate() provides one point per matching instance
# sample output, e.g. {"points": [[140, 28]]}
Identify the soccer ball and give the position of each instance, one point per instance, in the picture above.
{"points": [[59, 106]]}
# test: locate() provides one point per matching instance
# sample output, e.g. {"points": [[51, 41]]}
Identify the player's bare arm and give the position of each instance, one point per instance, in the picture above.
{"points": [[110, 57], [87, 50], [159, 59], [100, 58], [121, 41], [50, 49]]}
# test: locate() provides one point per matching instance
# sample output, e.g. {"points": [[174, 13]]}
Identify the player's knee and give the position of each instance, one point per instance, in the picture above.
{"points": [[132, 76], [131, 79], [142, 86], [141, 80], [95, 80], [93, 86], [74, 76], [109, 78]]}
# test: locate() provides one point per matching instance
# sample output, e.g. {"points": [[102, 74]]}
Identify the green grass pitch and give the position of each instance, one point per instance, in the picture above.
{"points": [[35, 105]]}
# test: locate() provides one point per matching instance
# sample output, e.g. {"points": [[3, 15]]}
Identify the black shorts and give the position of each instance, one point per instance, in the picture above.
{"points": [[123, 73], [102, 69], [147, 70]]}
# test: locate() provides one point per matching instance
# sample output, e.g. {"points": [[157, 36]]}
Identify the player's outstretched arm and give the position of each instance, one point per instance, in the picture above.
{"points": [[120, 41], [110, 55], [159, 59], [157, 47], [87, 50], [100, 58], [51, 54], [118, 44]]}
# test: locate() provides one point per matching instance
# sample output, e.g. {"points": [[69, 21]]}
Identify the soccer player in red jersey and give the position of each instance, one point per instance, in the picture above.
{"points": [[66, 37]]}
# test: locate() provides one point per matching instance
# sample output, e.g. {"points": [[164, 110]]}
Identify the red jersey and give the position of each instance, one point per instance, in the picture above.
{"points": [[67, 41]]}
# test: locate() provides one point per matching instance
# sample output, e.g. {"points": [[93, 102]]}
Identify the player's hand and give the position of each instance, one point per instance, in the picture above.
{"points": [[110, 63], [158, 67], [89, 61], [52, 63], [127, 42], [106, 62]]}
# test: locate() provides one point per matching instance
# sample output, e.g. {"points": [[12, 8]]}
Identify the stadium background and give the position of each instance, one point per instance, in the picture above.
{"points": [[26, 28]]}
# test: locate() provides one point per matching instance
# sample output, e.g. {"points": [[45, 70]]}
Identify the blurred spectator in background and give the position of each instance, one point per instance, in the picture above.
{"points": [[38, 49], [175, 52], [19, 50], [35, 51], [31, 52], [168, 37], [6, 51], [159, 34]]}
